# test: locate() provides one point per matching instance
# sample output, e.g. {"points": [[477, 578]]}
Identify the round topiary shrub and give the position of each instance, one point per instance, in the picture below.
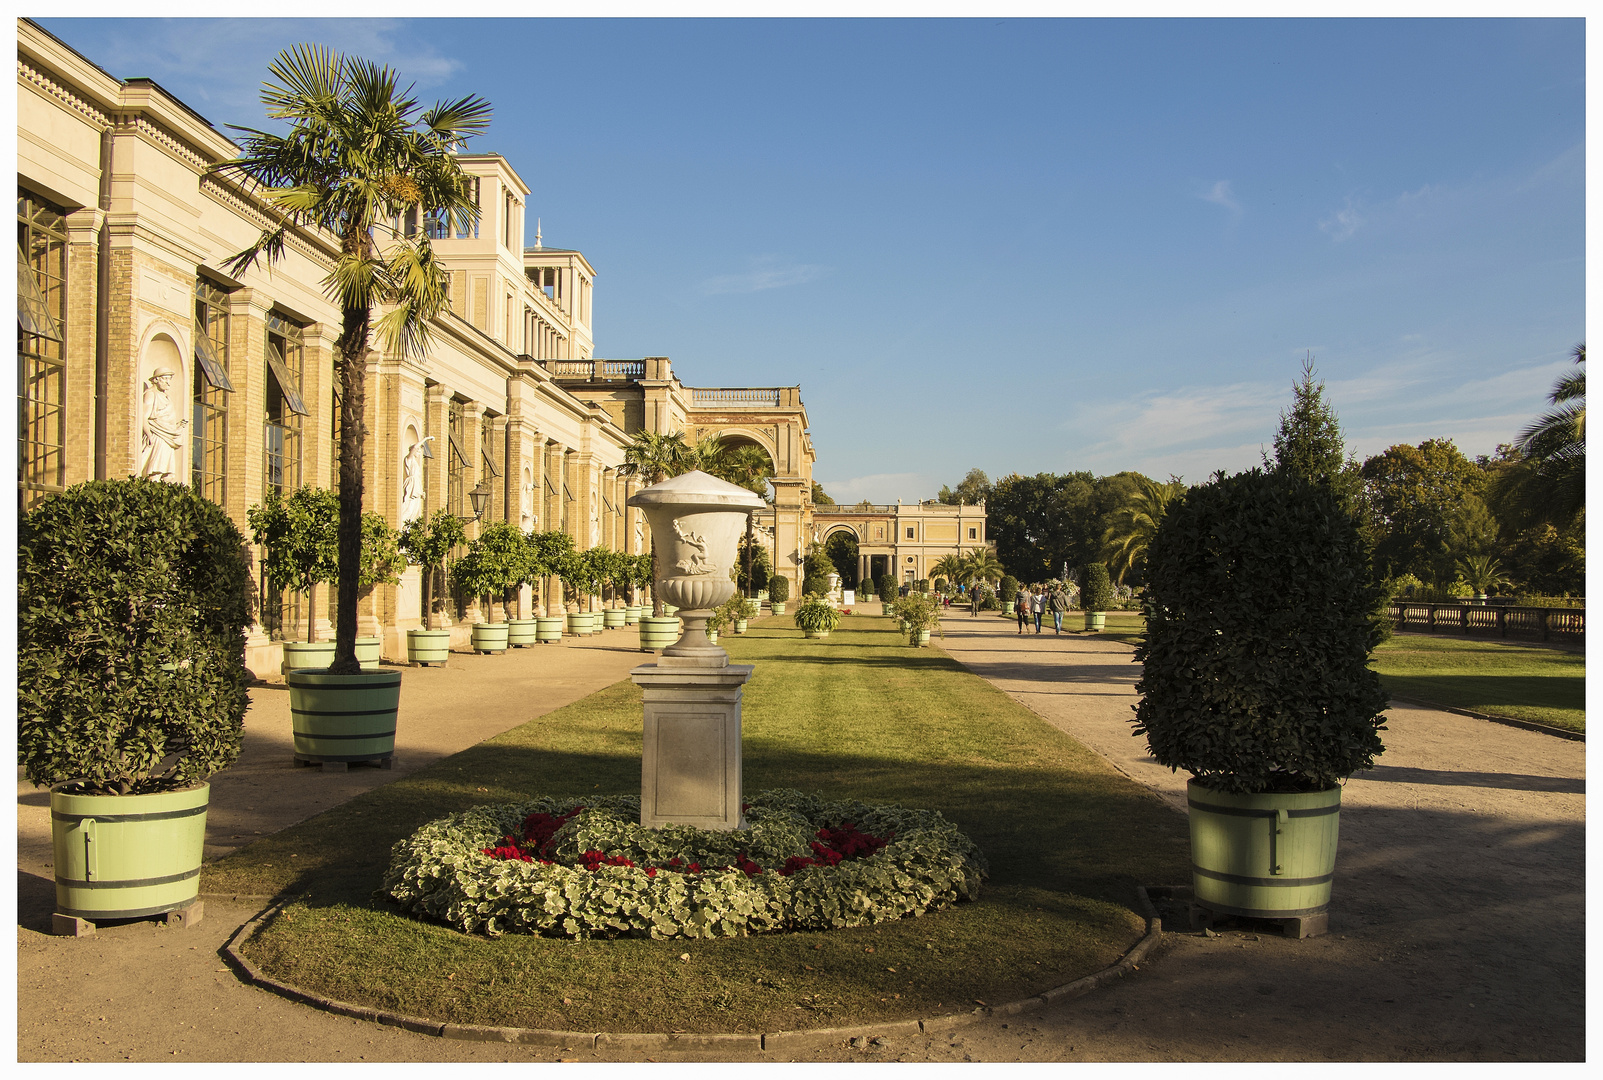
{"points": [[133, 597], [583, 868], [1255, 673], [1007, 590], [885, 588], [1096, 591]]}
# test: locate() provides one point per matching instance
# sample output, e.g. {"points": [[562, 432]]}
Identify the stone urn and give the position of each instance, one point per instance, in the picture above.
{"points": [[696, 521]]}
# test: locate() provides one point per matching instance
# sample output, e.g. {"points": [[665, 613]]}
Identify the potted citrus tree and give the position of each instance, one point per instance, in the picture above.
{"points": [[427, 543], [493, 562], [549, 551], [778, 593], [639, 576], [524, 633], [299, 537], [1096, 595], [1255, 680], [920, 617], [132, 602], [885, 589], [382, 563], [814, 616]]}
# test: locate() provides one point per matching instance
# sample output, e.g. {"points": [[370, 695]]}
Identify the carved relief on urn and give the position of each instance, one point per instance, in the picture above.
{"points": [[696, 523]]}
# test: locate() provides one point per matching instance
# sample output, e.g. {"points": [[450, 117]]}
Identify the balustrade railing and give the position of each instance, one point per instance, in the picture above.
{"points": [[1495, 620], [750, 396], [597, 369]]}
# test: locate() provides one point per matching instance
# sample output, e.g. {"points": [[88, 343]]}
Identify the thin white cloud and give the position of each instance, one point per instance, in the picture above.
{"points": [[767, 272], [878, 488], [1221, 195], [1343, 223]]}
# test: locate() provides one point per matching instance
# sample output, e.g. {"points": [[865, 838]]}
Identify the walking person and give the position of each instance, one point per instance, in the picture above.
{"points": [[1059, 603], [1038, 605], [1021, 608]]}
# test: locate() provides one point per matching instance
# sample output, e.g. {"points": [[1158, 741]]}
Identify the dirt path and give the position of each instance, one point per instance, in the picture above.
{"points": [[1456, 925]]}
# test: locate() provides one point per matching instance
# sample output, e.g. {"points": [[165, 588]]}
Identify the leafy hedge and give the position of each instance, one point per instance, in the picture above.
{"points": [[133, 597], [1255, 671], [441, 871]]}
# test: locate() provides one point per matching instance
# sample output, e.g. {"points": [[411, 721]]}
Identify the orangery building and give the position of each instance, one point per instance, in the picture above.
{"points": [[138, 354]]}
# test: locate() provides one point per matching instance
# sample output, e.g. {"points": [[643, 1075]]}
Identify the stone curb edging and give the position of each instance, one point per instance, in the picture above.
{"points": [[1510, 721], [767, 1041]]}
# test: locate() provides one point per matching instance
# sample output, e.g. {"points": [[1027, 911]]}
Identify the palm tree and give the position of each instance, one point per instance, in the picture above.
{"points": [[655, 457], [356, 154], [747, 466], [1549, 484], [1481, 573], [948, 567], [978, 566], [1126, 540]]}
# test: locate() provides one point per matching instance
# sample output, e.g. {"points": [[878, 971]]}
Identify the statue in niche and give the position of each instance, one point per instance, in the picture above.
{"points": [[640, 535], [595, 516], [412, 482], [697, 563], [161, 430], [527, 517]]}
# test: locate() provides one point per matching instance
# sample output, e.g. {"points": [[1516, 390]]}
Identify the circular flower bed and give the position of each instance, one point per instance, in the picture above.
{"points": [[586, 868]]}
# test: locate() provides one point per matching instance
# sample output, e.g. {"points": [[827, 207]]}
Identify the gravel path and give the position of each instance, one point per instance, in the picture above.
{"points": [[1456, 923]]}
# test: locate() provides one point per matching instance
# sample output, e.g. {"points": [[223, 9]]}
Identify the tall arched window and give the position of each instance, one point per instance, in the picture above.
{"points": [[41, 349]]}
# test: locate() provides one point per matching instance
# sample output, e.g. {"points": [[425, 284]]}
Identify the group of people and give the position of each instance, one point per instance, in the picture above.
{"points": [[1036, 601]]}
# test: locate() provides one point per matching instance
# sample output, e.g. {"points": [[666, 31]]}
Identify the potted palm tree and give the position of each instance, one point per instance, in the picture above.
{"points": [[427, 543], [299, 536], [1255, 680], [815, 617], [132, 602], [382, 563], [778, 593], [487, 571], [1096, 594], [352, 154]]}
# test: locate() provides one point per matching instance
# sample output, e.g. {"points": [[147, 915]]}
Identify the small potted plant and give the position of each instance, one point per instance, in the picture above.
{"points": [[778, 593], [493, 562], [617, 571], [549, 551], [661, 630], [1255, 680], [299, 536], [1096, 594], [920, 617], [427, 544], [132, 602], [815, 617]]}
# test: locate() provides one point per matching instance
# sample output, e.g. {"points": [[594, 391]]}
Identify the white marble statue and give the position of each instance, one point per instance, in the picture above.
{"points": [[527, 517], [697, 563], [161, 430], [412, 482]]}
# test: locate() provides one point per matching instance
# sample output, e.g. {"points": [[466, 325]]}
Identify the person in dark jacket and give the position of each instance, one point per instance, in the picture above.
{"points": [[1059, 603]]}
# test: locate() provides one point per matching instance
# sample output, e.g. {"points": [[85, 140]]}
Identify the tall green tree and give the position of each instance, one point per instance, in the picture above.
{"points": [[819, 497], [1310, 444], [357, 153], [1415, 493], [841, 547], [1041, 522], [972, 489]]}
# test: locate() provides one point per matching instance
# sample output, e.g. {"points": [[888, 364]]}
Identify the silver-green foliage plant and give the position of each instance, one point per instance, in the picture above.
{"points": [[441, 872], [133, 597]]}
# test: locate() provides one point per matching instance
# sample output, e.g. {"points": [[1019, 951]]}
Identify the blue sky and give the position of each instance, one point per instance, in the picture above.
{"points": [[1025, 245]]}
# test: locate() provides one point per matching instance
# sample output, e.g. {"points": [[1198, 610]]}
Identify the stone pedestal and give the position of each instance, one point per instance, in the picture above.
{"points": [[690, 770]]}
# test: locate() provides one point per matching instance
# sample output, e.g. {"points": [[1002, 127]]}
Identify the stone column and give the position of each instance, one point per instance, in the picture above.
{"points": [[555, 456], [83, 282]]}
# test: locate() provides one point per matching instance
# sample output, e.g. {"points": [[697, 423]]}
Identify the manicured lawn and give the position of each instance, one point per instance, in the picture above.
{"points": [[859, 714], [1522, 681]]}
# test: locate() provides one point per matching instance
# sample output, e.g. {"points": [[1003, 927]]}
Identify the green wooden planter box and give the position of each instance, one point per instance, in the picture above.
{"points": [[658, 634], [1096, 620], [521, 633], [343, 717], [1269, 856], [490, 637], [428, 646], [918, 637], [631, 615], [613, 618], [740, 626], [816, 633], [127, 856], [579, 623], [885, 609], [368, 652], [779, 608], [306, 654], [548, 629]]}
